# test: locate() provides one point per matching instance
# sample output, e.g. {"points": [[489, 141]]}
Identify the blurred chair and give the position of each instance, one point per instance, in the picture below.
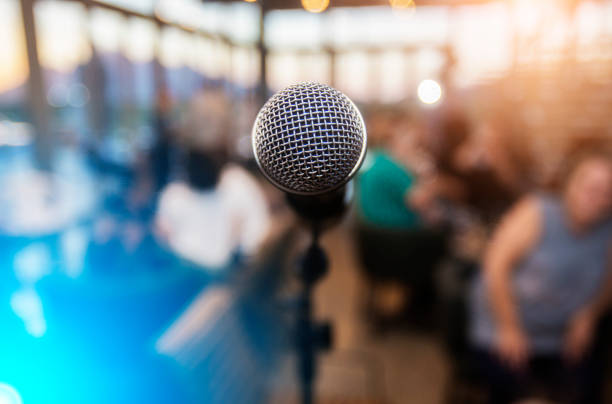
{"points": [[406, 257]]}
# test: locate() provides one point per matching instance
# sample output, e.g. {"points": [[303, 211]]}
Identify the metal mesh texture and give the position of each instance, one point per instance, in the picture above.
{"points": [[309, 138]]}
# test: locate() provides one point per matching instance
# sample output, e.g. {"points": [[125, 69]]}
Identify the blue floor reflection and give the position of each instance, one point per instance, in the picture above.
{"points": [[81, 309]]}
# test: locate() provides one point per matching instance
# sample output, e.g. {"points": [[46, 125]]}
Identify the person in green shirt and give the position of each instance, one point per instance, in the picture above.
{"points": [[398, 246], [383, 188]]}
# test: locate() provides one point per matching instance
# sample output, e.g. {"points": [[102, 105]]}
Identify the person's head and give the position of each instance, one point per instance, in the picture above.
{"points": [[588, 188], [378, 121], [453, 130], [203, 168]]}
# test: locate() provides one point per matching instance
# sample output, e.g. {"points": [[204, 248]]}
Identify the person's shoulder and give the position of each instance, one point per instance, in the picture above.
{"points": [[381, 156], [382, 160], [235, 174], [545, 198], [234, 169], [547, 204], [175, 191], [537, 200], [237, 181], [521, 226], [525, 210]]}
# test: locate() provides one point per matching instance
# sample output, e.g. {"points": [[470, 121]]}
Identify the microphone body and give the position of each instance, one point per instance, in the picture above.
{"points": [[323, 209]]}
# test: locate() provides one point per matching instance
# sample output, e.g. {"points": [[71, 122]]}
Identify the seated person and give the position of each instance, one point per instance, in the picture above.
{"points": [[217, 213], [546, 281], [384, 186], [392, 171], [478, 174], [398, 247]]}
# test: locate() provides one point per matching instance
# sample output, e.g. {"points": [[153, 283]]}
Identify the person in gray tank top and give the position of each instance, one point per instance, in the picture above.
{"points": [[546, 280]]}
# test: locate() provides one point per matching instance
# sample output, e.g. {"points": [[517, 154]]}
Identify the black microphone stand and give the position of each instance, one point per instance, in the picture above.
{"points": [[312, 336]]}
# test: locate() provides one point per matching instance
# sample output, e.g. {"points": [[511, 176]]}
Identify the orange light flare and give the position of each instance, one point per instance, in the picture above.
{"points": [[315, 6], [403, 6]]}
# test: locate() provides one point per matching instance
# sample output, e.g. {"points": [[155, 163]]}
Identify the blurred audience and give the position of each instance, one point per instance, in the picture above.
{"points": [[453, 227]]}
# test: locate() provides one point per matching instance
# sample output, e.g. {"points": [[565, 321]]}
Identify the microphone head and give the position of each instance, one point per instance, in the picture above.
{"points": [[309, 139]]}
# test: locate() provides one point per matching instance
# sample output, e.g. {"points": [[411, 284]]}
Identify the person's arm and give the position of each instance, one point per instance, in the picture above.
{"points": [[581, 328], [167, 209], [425, 195], [439, 186], [603, 300], [515, 236]]}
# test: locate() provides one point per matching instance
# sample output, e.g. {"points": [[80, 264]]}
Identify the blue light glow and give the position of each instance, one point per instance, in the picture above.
{"points": [[8, 395]]}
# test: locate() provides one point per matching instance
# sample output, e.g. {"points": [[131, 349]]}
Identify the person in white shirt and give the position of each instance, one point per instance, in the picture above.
{"points": [[220, 211]]}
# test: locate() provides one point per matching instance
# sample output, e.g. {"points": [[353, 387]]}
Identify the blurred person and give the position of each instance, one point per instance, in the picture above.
{"points": [[476, 170], [398, 245], [95, 78], [440, 187], [207, 121], [546, 281], [385, 181], [493, 170], [163, 147], [217, 215]]}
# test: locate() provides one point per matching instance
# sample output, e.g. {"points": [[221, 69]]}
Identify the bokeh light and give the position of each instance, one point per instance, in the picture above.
{"points": [[402, 3], [61, 33], [78, 95], [403, 7], [429, 91], [8, 395], [315, 6], [138, 41]]}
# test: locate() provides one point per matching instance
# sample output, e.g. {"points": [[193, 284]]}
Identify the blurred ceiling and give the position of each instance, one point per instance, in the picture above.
{"points": [[295, 4]]}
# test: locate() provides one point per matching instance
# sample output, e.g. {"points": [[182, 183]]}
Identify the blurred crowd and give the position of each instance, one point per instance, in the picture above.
{"points": [[461, 228], [144, 258]]}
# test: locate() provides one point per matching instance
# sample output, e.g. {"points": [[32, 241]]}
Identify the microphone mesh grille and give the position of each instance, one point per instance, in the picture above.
{"points": [[309, 138]]}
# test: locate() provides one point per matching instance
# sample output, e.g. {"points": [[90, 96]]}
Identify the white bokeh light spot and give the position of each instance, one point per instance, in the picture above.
{"points": [[429, 91]]}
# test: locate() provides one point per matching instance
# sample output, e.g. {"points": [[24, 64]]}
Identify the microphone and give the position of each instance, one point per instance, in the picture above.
{"points": [[309, 140]]}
